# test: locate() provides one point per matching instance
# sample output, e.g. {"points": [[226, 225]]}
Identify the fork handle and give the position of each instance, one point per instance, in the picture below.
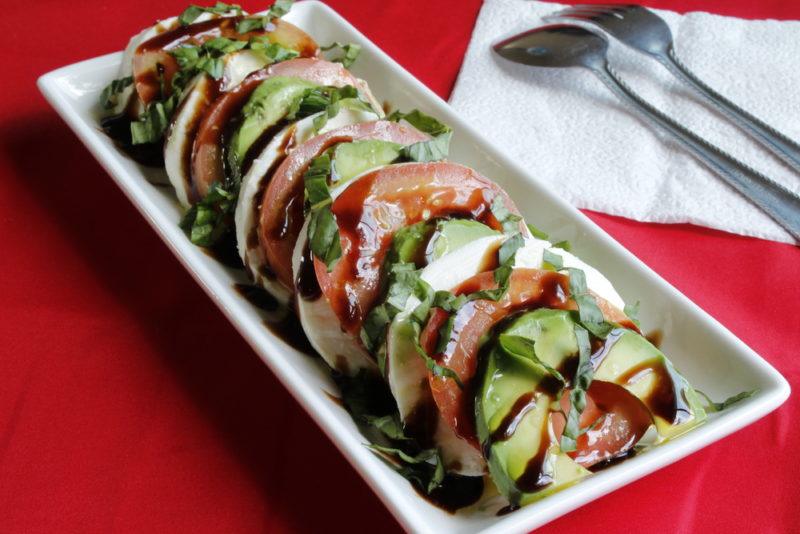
{"points": [[772, 198], [769, 137]]}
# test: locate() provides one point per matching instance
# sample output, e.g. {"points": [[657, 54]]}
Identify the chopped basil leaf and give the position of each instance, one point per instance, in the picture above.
{"points": [[108, 98], [577, 396], [350, 52], [535, 232], [431, 364], [632, 311], [589, 313], [209, 219], [449, 302], [719, 406], [422, 122], [435, 149], [416, 468], [502, 274], [152, 123], [191, 13], [276, 11], [323, 231], [445, 332], [273, 52], [552, 261], [389, 425], [564, 245], [509, 221], [525, 348]]}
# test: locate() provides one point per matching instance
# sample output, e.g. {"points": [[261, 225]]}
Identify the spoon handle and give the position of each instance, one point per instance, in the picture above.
{"points": [[772, 198], [769, 137]]}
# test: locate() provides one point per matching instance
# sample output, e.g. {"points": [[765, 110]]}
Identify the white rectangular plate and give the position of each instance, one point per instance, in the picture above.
{"points": [[710, 356]]}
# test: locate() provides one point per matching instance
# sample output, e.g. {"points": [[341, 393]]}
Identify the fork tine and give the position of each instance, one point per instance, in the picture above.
{"points": [[580, 15]]}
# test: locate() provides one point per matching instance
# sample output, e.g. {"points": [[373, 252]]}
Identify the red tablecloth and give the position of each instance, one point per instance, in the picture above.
{"points": [[128, 403]]}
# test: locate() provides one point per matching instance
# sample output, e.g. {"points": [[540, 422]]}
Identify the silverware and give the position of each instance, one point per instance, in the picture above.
{"points": [[562, 45], [643, 30]]}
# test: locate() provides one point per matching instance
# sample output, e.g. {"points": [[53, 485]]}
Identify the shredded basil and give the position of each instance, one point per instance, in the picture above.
{"points": [[209, 219], [632, 311], [435, 149], [509, 221], [727, 403], [108, 98], [535, 232], [577, 396], [525, 348], [589, 313], [417, 468], [350, 52], [552, 261], [154, 121], [564, 245], [323, 231], [191, 13], [276, 11]]}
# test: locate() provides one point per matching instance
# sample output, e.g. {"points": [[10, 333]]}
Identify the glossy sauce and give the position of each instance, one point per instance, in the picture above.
{"points": [[534, 478], [118, 128], [667, 399], [306, 281]]}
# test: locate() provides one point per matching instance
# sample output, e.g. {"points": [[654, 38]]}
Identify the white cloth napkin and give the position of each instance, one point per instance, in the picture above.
{"points": [[573, 133]]}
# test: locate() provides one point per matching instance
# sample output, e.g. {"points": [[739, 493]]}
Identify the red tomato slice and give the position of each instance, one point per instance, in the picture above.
{"points": [[528, 289], [207, 152], [375, 206], [153, 63], [618, 420], [280, 225]]}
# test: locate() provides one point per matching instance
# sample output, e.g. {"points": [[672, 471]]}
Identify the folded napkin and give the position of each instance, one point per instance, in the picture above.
{"points": [[571, 132]]}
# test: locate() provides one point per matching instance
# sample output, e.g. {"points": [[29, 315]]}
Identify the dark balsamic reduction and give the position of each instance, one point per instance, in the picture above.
{"points": [[455, 492], [667, 399], [525, 403], [306, 283], [655, 337], [534, 478], [226, 252], [118, 128]]}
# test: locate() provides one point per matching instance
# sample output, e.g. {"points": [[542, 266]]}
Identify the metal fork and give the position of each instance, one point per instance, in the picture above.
{"points": [[643, 30]]}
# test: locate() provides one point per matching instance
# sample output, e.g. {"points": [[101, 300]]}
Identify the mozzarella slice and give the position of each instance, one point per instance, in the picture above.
{"points": [[321, 325], [530, 255], [248, 205], [405, 370], [180, 137], [238, 65]]}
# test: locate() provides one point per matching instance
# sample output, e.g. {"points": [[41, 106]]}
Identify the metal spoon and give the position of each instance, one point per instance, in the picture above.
{"points": [[562, 45]]}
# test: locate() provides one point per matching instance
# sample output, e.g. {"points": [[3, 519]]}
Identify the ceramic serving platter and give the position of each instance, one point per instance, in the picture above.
{"points": [[712, 358]]}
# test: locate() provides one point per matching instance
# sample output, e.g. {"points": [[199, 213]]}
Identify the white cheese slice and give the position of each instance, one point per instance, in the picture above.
{"points": [[248, 206]]}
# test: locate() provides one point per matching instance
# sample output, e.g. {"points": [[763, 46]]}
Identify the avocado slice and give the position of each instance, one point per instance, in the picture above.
{"points": [[637, 365], [453, 234], [513, 406], [268, 104], [352, 159]]}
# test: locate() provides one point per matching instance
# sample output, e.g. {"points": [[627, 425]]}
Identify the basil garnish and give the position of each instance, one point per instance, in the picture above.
{"points": [[276, 11], [589, 313], [552, 261], [509, 221], [727, 403], [525, 348], [535, 232], [108, 98], [435, 149], [191, 13], [632, 311], [577, 396], [208, 220], [415, 468], [350, 52], [323, 232]]}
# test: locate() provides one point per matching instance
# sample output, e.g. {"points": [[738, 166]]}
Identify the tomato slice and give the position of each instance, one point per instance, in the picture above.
{"points": [[153, 64], [207, 152], [279, 226], [371, 209], [528, 289], [618, 420]]}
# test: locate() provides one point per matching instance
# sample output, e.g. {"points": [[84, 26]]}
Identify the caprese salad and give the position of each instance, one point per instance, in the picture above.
{"points": [[467, 346]]}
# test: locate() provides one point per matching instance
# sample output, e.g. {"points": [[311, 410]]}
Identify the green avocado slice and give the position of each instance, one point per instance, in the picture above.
{"points": [[357, 157], [268, 104], [512, 410], [631, 361]]}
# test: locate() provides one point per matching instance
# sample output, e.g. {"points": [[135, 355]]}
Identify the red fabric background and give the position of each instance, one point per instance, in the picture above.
{"points": [[129, 404]]}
